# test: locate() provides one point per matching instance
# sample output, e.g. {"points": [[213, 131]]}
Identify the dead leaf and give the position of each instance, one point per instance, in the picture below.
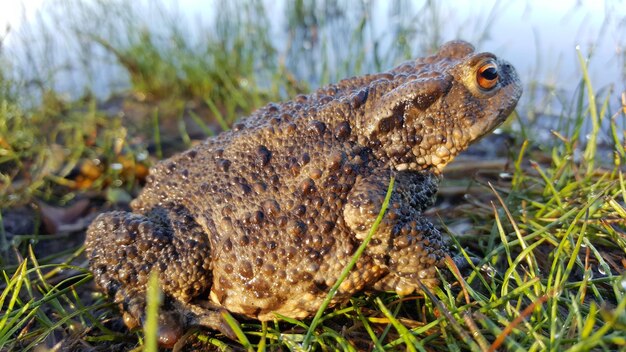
{"points": [[64, 219]]}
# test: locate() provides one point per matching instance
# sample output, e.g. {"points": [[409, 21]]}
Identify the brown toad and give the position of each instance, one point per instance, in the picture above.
{"points": [[262, 219]]}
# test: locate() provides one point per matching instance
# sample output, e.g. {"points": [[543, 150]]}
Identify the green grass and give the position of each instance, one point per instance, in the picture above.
{"points": [[549, 232]]}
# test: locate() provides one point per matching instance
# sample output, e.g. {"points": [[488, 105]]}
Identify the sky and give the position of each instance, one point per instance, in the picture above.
{"points": [[11, 11], [532, 34]]}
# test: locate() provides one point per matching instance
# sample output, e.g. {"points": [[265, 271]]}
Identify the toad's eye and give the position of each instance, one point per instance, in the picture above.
{"points": [[487, 75]]}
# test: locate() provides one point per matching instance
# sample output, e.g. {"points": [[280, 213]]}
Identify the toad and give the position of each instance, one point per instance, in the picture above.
{"points": [[260, 220]]}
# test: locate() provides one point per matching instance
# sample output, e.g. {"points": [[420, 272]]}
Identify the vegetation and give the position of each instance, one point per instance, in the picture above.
{"points": [[548, 225]]}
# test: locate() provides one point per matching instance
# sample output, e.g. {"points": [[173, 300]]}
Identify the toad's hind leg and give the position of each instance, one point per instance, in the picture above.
{"points": [[124, 248]]}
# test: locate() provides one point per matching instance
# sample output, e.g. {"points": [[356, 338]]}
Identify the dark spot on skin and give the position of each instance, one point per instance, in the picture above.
{"points": [[291, 128], [227, 210], [143, 246], [268, 269], [244, 188], [343, 130], [272, 107], [317, 202], [326, 99], [264, 155], [223, 164], [307, 186], [293, 276], [320, 285], [169, 167], [423, 101], [228, 268], [327, 227], [299, 210], [293, 167], [260, 289], [314, 255], [245, 270], [285, 117], [190, 154], [317, 127], [271, 207], [282, 221], [335, 161], [359, 98], [123, 236], [384, 126], [225, 282], [228, 245], [296, 228], [313, 240], [305, 158], [131, 253], [257, 217], [259, 187], [291, 252], [238, 127]]}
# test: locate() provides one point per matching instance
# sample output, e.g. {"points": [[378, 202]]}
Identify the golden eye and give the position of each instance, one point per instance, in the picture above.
{"points": [[487, 75]]}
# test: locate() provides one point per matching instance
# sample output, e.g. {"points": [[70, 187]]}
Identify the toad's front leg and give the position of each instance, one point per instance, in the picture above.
{"points": [[406, 244]]}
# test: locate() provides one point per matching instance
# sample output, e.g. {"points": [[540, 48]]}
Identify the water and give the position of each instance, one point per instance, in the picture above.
{"points": [[538, 37]]}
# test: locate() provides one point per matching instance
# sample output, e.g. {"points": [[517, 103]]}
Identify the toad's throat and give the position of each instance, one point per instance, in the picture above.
{"points": [[434, 156]]}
